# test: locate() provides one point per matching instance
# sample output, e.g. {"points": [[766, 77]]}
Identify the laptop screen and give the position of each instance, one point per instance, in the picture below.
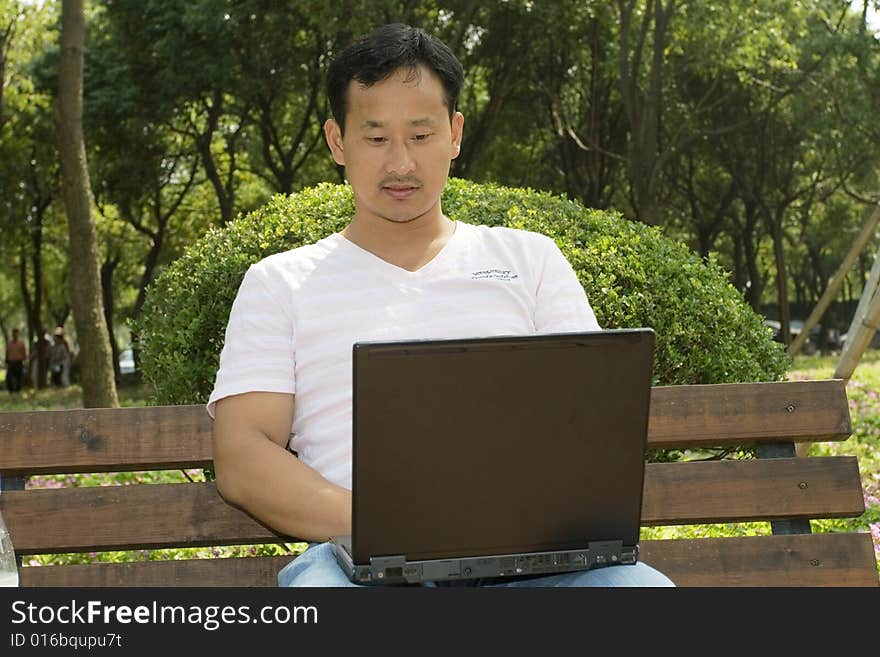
{"points": [[499, 445]]}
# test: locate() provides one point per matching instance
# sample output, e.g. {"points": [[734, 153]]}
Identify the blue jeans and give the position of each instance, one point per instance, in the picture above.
{"points": [[317, 566]]}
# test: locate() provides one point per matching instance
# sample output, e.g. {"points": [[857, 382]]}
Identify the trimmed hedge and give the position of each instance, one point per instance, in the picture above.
{"points": [[633, 275]]}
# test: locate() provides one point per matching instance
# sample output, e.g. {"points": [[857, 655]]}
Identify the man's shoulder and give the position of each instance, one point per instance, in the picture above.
{"points": [[275, 275], [301, 258], [505, 235]]}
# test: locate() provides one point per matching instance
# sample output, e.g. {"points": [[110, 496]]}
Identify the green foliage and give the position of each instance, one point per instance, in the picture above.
{"points": [[633, 275], [170, 554], [764, 112]]}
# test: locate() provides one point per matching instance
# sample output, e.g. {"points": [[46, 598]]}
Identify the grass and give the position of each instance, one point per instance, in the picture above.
{"points": [[864, 443], [130, 392]]}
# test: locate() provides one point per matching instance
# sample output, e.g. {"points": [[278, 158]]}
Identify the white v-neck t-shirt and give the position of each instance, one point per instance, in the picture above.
{"points": [[298, 313]]}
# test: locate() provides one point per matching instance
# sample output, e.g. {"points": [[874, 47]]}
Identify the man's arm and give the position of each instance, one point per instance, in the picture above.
{"points": [[561, 303], [256, 472]]}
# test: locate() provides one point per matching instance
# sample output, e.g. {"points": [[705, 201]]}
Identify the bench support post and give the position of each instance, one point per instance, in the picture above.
{"points": [[782, 451], [13, 483]]}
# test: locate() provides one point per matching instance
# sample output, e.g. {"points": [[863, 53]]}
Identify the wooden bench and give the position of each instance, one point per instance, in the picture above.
{"points": [[777, 487]]}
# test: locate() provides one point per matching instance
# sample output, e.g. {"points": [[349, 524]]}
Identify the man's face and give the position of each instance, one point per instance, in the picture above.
{"points": [[398, 145]]}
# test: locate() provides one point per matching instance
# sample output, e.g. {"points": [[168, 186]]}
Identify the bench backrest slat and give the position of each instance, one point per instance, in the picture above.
{"points": [[250, 571], [105, 440], [174, 515], [728, 414], [786, 560], [126, 518], [740, 491], [170, 437]]}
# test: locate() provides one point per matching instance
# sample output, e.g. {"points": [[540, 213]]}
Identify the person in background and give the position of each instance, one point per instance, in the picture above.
{"points": [[16, 354], [59, 359]]}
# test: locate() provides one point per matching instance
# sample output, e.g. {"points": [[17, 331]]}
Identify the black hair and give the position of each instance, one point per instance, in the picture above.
{"points": [[376, 56]]}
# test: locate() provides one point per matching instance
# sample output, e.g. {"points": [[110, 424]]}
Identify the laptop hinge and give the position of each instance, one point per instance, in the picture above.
{"points": [[610, 553]]}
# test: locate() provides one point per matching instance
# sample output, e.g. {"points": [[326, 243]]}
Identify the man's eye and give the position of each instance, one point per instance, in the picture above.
{"points": [[422, 137], [376, 140]]}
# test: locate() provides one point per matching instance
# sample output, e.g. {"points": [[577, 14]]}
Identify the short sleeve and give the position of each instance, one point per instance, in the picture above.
{"points": [[259, 352], [562, 304]]}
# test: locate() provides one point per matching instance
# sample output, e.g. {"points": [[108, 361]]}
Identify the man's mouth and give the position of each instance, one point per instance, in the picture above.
{"points": [[400, 190]]}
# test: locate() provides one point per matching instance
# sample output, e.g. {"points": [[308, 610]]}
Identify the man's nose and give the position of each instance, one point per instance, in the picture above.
{"points": [[400, 160]]}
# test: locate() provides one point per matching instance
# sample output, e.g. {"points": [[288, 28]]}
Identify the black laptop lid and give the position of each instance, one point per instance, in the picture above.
{"points": [[499, 445]]}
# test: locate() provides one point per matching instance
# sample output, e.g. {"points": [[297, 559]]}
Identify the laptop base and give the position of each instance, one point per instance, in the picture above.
{"points": [[396, 569]]}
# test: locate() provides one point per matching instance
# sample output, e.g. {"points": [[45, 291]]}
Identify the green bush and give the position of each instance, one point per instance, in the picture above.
{"points": [[633, 275]]}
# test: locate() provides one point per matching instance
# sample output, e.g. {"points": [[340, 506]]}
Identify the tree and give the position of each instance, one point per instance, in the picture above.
{"points": [[575, 76], [744, 128], [642, 95], [99, 387], [28, 167], [10, 16], [281, 53]]}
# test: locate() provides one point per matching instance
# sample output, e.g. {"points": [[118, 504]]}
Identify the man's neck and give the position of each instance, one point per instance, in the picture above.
{"points": [[409, 245]]}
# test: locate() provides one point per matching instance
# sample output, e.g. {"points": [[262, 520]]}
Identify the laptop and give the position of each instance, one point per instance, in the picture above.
{"points": [[497, 457]]}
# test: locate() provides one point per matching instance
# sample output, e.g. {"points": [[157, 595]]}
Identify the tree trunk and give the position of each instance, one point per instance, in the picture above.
{"points": [[107, 270], [37, 367], [781, 282], [150, 265], [39, 362], [96, 364], [739, 268], [225, 192], [746, 229], [6, 33], [280, 159]]}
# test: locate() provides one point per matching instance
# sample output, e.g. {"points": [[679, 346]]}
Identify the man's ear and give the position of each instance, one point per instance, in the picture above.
{"points": [[457, 133], [333, 135]]}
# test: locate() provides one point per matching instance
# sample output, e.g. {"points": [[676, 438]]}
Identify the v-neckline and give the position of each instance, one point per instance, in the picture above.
{"points": [[431, 264]]}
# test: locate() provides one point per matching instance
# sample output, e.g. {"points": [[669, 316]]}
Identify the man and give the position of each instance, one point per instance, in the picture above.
{"points": [[16, 353], [401, 269]]}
